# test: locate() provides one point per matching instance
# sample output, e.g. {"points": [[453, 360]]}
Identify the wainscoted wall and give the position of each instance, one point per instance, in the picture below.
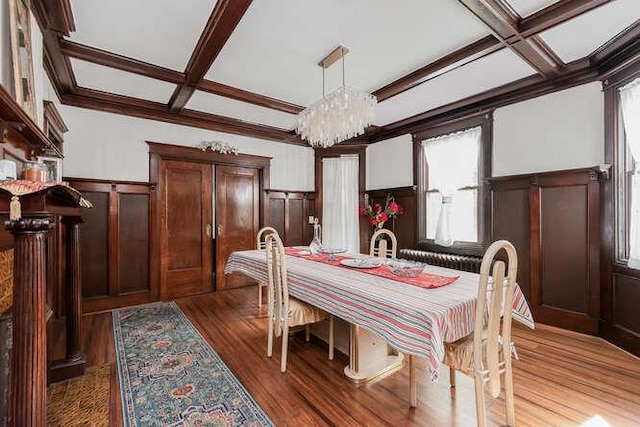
{"points": [[289, 213], [116, 245], [563, 130], [108, 146], [553, 219], [404, 227], [390, 163]]}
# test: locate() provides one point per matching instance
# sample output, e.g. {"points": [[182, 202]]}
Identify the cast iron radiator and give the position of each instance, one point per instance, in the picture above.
{"points": [[458, 262]]}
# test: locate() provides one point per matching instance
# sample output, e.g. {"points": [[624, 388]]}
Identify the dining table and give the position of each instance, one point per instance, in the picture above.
{"points": [[413, 317]]}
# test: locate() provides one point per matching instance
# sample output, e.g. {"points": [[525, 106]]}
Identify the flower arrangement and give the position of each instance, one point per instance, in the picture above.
{"points": [[379, 215]]}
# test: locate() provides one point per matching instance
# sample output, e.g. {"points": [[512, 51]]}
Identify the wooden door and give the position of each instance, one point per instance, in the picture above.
{"points": [[237, 217], [185, 252]]}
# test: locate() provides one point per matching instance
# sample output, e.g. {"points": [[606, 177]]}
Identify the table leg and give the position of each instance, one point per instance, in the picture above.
{"points": [[370, 357]]}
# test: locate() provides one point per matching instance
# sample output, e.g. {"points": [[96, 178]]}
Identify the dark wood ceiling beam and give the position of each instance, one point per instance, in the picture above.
{"points": [[113, 60], [54, 15], [54, 19], [120, 104], [223, 20], [249, 97], [577, 73], [510, 25], [555, 14], [124, 63], [477, 49], [625, 40], [503, 22]]}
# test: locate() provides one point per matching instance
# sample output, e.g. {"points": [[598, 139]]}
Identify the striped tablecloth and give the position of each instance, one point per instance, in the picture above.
{"points": [[411, 319]]}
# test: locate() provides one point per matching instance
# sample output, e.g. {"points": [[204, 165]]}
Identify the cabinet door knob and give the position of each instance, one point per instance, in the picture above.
{"points": [[208, 230], [219, 229]]}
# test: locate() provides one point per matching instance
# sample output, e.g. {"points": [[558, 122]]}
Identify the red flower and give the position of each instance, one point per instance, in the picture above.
{"points": [[379, 215]]}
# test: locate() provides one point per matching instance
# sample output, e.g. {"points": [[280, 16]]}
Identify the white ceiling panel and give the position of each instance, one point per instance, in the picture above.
{"points": [[487, 73], [528, 7], [209, 103], [161, 32], [107, 79], [277, 45], [581, 36]]}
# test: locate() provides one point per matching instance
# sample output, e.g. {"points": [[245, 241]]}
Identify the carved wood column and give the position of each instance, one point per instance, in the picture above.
{"points": [[29, 360], [75, 351]]}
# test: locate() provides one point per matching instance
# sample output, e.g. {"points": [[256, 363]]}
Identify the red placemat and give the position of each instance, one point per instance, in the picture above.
{"points": [[424, 280]]}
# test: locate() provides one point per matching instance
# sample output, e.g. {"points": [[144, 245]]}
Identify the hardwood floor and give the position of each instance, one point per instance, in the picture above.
{"points": [[562, 378]]}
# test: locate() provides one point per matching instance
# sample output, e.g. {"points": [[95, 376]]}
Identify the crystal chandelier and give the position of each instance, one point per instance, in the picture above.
{"points": [[338, 116]]}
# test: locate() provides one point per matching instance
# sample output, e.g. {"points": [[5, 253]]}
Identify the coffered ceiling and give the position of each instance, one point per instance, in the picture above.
{"points": [[249, 67]]}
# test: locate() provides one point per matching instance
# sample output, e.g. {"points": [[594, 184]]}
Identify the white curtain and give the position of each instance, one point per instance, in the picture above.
{"points": [[340, 203], [630, 103], [453, 164]]}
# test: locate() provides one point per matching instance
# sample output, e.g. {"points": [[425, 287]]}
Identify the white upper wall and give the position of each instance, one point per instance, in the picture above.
{"points": [[562, 130], [108, 146], [390, 163]]}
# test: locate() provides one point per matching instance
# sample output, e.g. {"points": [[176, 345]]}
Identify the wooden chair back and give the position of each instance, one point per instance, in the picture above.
{"points": [[492, 329], [382, 249], [261, 236], [278, 292]]}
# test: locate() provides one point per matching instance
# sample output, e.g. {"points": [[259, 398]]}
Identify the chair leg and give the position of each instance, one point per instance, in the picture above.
{"points": [[259, 295], [270, 338], [413, 386], [508, 392], [452, 377], [285, 343], [307, 332], [330, 337], [480, 411]]}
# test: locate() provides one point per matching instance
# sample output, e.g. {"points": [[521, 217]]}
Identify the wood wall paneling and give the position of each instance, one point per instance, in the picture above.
{"points": [[95, 245], [559, 238], [510, 220], [625, 315], [277, 215], [297, 222], [564, 250], [405, 226], [117, 269], [133, 248], [289, 213]]}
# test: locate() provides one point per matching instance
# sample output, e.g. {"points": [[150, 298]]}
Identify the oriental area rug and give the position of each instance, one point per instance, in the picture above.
{"points": [[170, 376]]}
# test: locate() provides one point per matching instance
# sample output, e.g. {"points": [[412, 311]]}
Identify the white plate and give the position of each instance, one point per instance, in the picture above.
{"points": [[361, 262]]}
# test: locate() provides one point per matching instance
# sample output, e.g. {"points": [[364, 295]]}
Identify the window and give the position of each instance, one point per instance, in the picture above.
{"points": [[628, 176], [452, 165]]}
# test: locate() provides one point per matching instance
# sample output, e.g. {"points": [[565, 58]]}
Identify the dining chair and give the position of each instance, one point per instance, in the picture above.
{"points": [[382, 248], [286, 311], [486, 353], [261, 244]]}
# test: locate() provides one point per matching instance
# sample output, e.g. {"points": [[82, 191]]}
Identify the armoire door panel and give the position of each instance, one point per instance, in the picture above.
{"points": [[185, 262], [238, 217], [565, 257]]}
